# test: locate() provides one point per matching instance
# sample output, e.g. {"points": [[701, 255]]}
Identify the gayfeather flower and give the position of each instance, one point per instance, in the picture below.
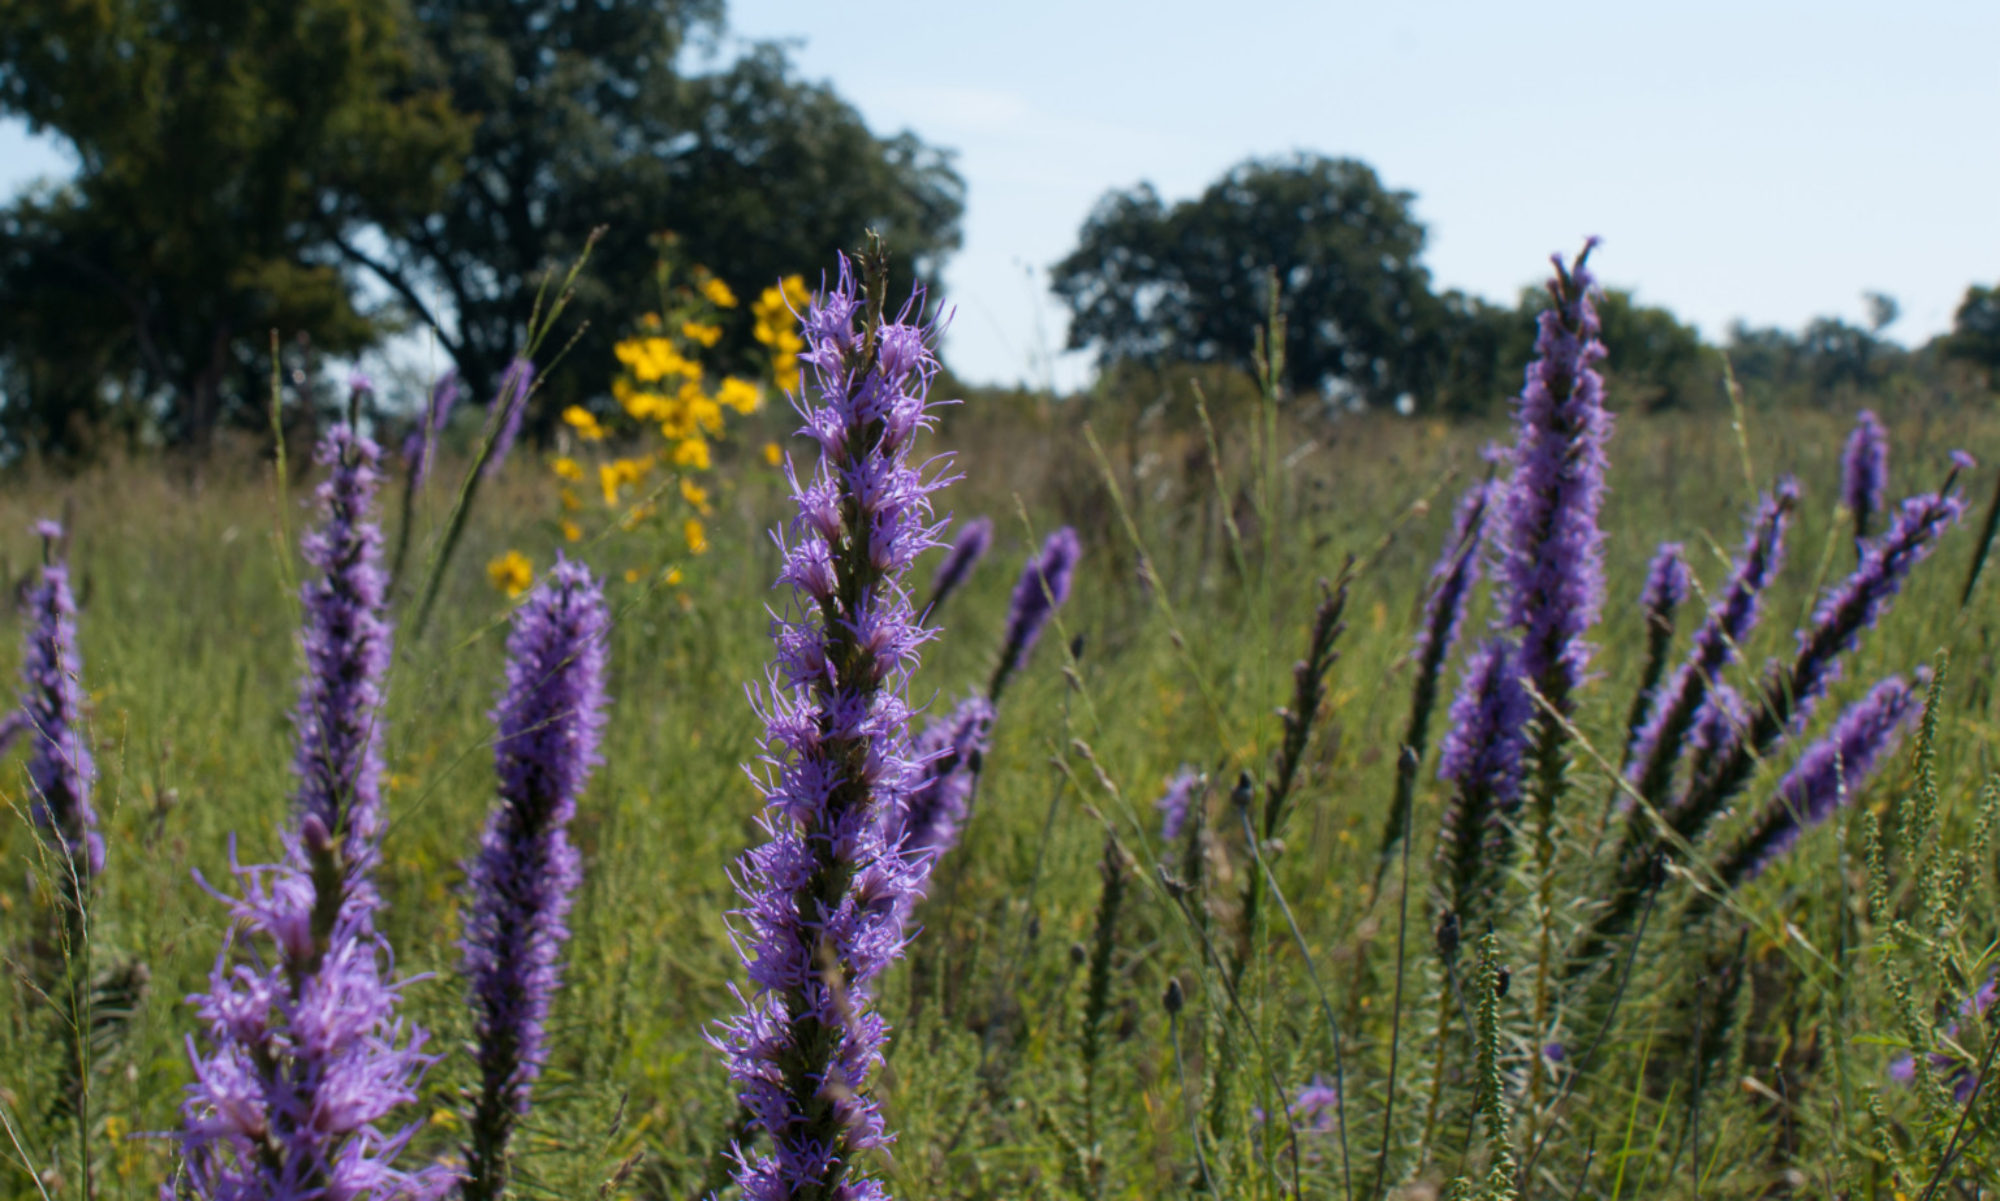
{"points": [[947, 755], [509, 408], [1183, 792], [420, 447], [307, 1058], [1043, 588], [1953, 1067], [1731, 617], [1864, 470], [1481, 758], [60, 768], [974, 538], [824, 898], [1830, 772], [1452, 581], [1666, 587], [1551, 567], [1717, 725], [549, 721]]}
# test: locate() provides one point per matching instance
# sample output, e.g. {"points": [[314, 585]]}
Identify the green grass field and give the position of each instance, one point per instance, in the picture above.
{"points": [[1781, 1087]]}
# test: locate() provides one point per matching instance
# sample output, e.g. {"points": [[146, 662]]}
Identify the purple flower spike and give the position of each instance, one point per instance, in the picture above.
{"points": [[421, 446], [948, 755], [1183, 792], [1666, 584], [60, 768], [307, 1060], [1953, 1067], [1316, 1106], [1453, 578], [1828, 774], [1482, 759], [509, 408], [1731, 617], [826, 896], [1551, 565], [346, 641], [549, 720], [974, 538], [1043, 588], [1864, 470]]}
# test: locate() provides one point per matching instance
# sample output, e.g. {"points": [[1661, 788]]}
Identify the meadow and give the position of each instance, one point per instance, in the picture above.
{"points": [[1086, 1007]]}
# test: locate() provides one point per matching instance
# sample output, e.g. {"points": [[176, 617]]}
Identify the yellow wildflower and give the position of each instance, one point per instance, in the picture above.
{"points": [[572, 532], [567, 468], [772, 454], [702, 332], [696, 535], [691, 453], [632, 575], [580, 419], [637, 517], [608, 479], [739, 394], [695, 495], [570, 503], [704, 412], [511, 573], [673, 576], [718, 293]]}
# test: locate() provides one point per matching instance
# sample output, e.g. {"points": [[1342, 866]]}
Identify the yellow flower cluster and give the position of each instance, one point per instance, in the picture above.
{"points": [[777, 314]]}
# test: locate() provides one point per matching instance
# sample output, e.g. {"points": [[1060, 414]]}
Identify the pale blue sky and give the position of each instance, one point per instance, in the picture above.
{"points": [[1757, 160]]}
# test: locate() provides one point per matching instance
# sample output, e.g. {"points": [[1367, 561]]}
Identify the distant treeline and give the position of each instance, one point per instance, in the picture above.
{"points": [[1151, 284]]}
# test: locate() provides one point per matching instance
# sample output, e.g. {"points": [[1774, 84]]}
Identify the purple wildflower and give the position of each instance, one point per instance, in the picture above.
{"points": [[1184, 790], [1953, 1065], [1453, 578], [825, 897], [1551, 565], [1864, 470], [1315, 1106], [307, 1057], [549, 720], [1829, 773], [346, 641], [974, 538], [420, 447], [1717, 725], [1482, 758], [1666, 586], [60, 768], [1731, 617], [948, 756], [509, 408], [1963, 461], [1043, 588]]}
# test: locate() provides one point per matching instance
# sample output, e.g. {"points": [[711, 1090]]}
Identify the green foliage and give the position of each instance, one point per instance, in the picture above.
{"points": [[1975, 330], [221, 146]]}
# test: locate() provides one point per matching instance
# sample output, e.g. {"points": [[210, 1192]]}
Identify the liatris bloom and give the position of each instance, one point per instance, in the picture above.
{"points": [[421, 445], [947, 756], [1864, 471], [824, 897], [1731, 617], [1481, 758], [1043, 588], [1183, 792], [60, 768], [549, 720], [1717, 725], [509, 408], [1551, 565], [1315, 1106], [307, 1056], [1828, 773], [346, 642], [1954, 1068], [974, 538], [1666, 587]]}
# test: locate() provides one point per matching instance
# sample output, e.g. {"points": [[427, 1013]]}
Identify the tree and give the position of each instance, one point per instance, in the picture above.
{"points": [[1188, 282], [221, 144], [1975, 331], [583, 119]]}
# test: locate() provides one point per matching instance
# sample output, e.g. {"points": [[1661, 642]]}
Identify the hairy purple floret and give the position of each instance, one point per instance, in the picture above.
{"points": [[948, 755], [421, 446], [1731, 617], [60, 768], [307, 1059], [510, 406], [1717, 725], [1454, 577], [974, 538], [824, 897], [548, 724], [338, 722], [1828, 774], [1184, 789], [1482, 757], [1043, 588], [1551, 567], [1864, 470], [1666, 584]]}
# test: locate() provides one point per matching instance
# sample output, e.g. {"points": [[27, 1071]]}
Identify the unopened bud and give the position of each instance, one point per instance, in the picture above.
{"points": [[1174, 999]]}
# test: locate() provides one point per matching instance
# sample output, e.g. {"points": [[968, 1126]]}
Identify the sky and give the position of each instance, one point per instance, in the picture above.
{"points": [[1763, 161]]}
